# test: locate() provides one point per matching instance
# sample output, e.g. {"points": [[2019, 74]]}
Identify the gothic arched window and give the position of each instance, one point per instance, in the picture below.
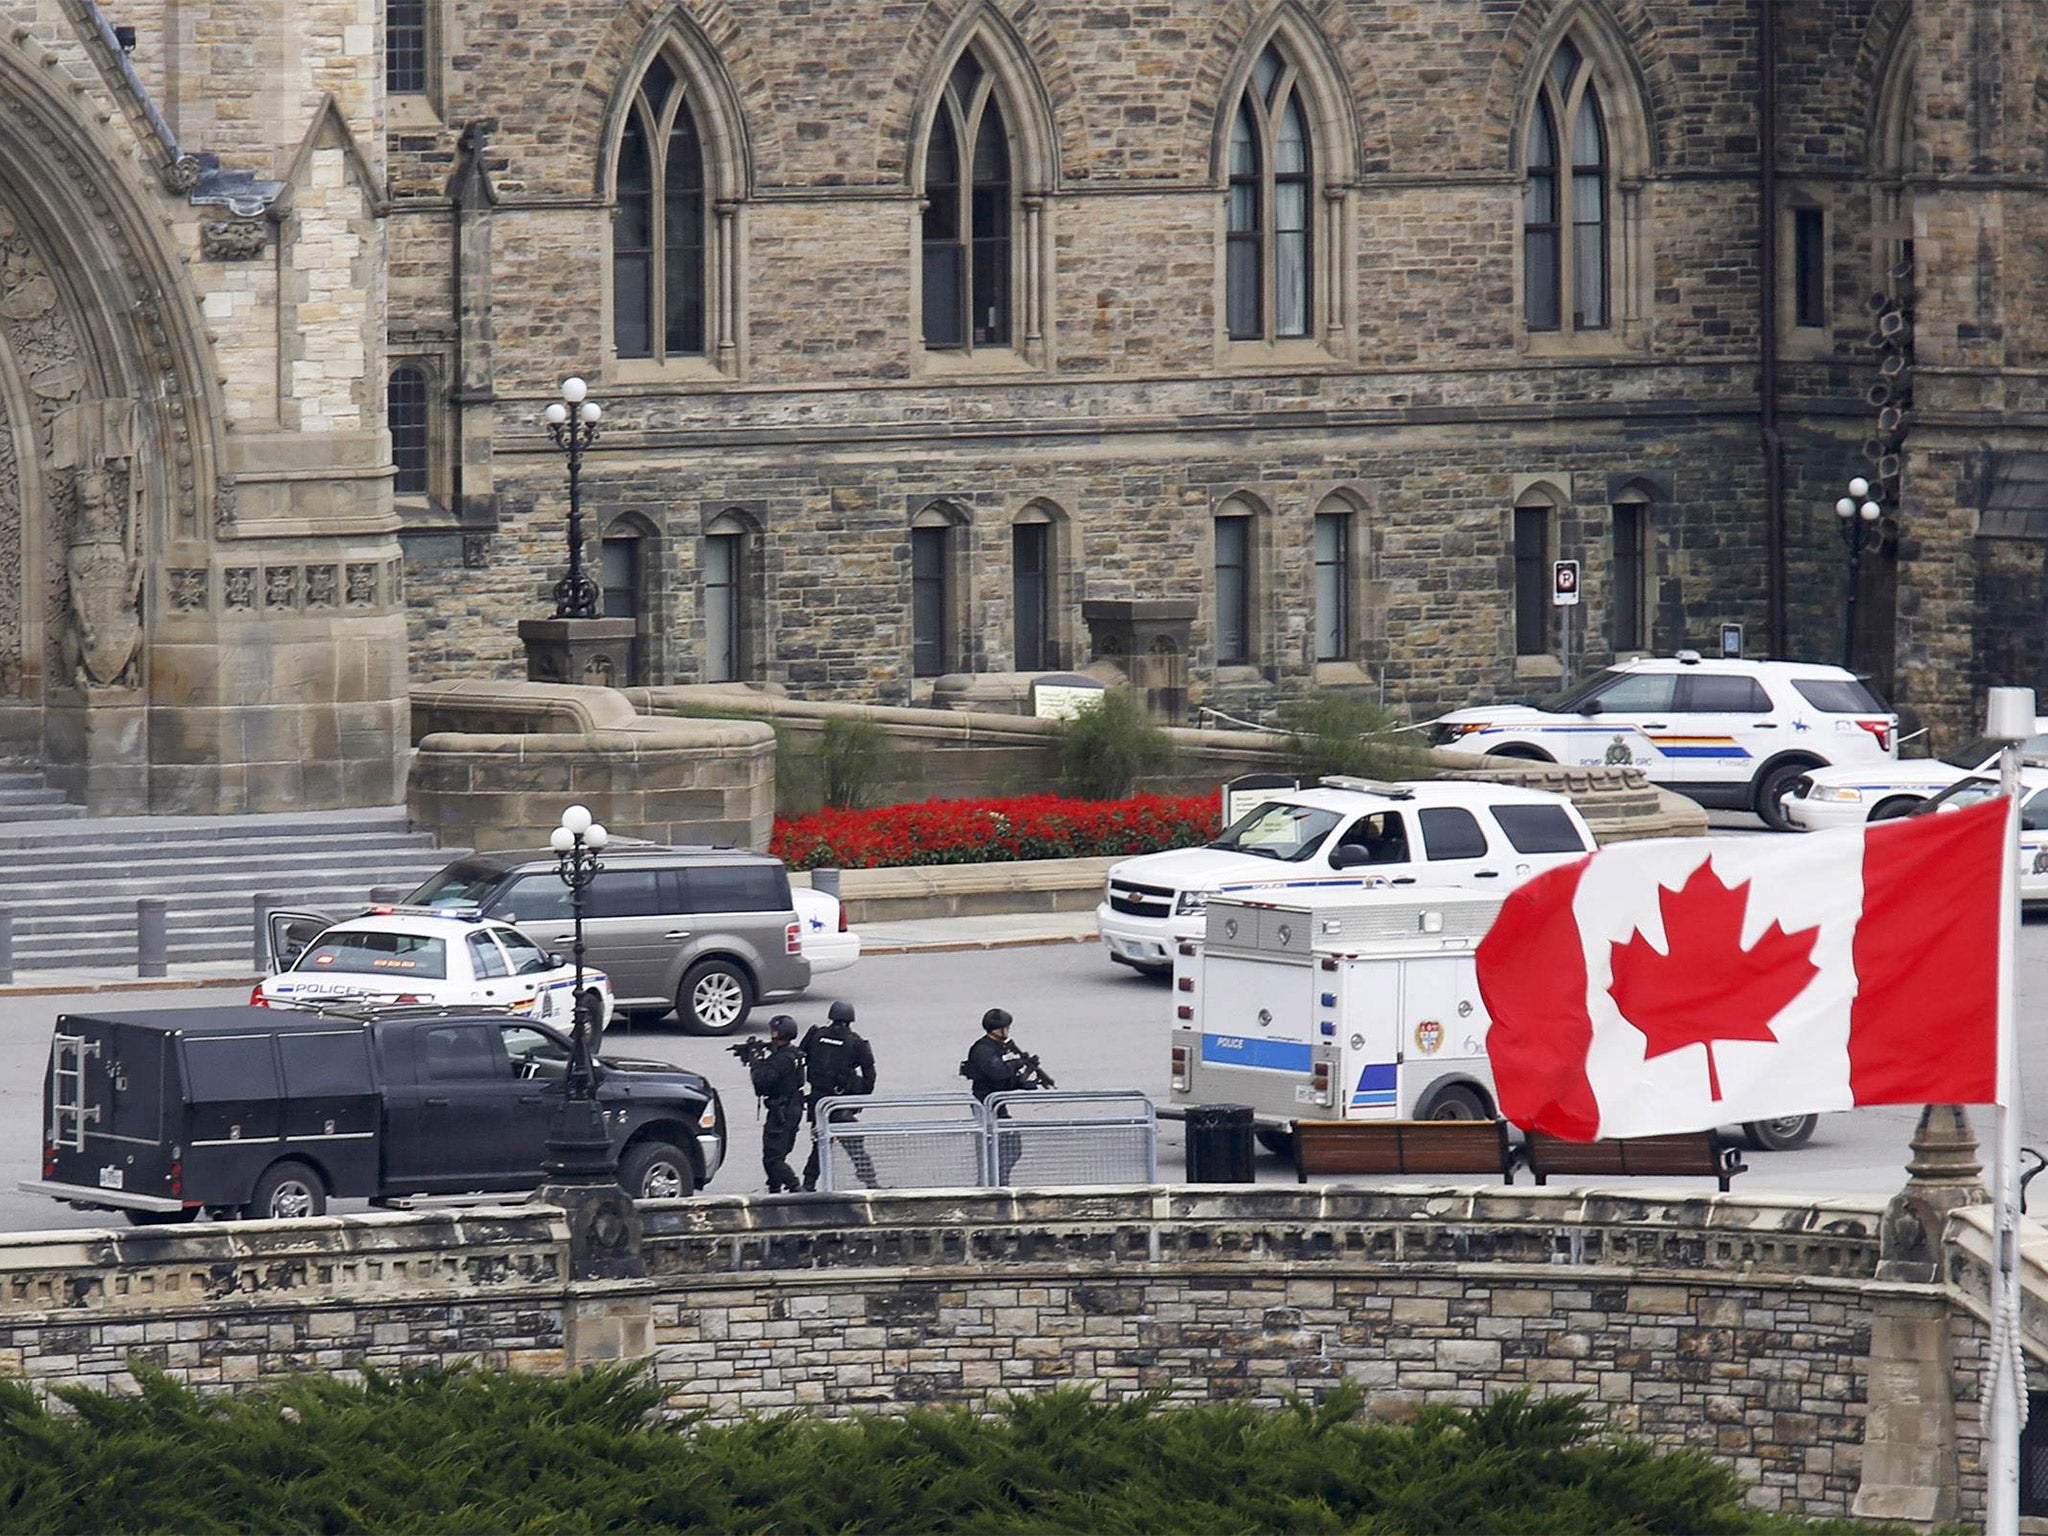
{"points": [[1268, 289], [658, 272], [968, 215], [1565, 198]]}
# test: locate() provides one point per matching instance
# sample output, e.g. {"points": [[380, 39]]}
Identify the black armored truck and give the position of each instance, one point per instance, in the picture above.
{"points": [[268, 1113]]}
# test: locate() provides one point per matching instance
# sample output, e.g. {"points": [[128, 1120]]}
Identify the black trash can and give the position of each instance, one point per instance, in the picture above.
{"points": [[1219, 1144]]}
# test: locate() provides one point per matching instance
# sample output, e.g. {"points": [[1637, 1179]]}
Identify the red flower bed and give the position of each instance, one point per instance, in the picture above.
{"points": [[991, 831]]}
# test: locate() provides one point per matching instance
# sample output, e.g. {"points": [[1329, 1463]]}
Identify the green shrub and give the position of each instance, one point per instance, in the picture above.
{"points": [[462, 1450], [854, 759], [1341, 733], [1108, 747]]}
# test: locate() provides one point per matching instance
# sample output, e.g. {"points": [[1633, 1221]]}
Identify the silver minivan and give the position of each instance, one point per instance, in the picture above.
{"points": [[705, 931]]}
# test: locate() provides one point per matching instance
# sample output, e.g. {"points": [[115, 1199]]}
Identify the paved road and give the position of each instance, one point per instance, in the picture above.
{"points": [[1095, 1026]]}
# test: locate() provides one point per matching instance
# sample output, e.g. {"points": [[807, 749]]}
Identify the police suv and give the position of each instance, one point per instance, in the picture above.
{"points": [[1733, 735], [1349, 833]]}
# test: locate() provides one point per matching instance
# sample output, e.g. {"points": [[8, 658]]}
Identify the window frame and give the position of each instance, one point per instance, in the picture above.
{"points": [[1628, 627], [964, 122], [1274, 88], [1244, 527], [1032, 610], [1333, 583], [1555, 106], [1532, 605], [932, 551], [1809, 307], [653, 123], [415, 478], [425, 30]]}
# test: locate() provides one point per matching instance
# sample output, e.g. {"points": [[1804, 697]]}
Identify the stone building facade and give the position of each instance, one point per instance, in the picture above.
{"points": [[1337, 320], [922, 328], [201, 600]]}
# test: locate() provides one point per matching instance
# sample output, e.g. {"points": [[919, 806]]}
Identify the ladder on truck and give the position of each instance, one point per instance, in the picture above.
{"points": [[69, 1114]]}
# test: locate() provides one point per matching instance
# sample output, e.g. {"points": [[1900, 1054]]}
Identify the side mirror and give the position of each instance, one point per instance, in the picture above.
{"points": [[1350, 856], [1590, 707]]}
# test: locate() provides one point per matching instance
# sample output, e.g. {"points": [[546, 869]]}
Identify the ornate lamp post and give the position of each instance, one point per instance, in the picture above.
{"points": [[1858, 515], [572, 423], [579, 1151], [574, 645]]}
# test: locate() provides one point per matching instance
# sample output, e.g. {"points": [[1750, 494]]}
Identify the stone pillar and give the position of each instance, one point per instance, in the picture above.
{"points": [[581, 651], [1148, 638], [1909, 1437]]}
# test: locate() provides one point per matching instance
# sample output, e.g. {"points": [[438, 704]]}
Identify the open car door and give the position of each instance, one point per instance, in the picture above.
{"points": [[292, 932]]}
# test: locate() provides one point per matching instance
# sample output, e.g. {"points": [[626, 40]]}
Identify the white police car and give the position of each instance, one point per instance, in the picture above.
{"points": [[1975, 789], [1847, 797], [1348, 833], [1734, 735], [397, 955]]}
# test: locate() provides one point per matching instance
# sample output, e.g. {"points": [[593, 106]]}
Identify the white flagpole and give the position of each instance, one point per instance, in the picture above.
{"points": [[2010, 718]]}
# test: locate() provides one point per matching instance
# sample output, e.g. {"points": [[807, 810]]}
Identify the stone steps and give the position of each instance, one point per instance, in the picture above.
{"points": [[71, 886]]}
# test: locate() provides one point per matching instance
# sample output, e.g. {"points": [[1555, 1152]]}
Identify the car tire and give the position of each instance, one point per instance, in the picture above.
{"points": [[1894, 808], [714, 999], [288, 1191], [1523, 754], [1771, 790], [1276, 1141], [657, 1170], [1780, 1135], [175, 1218], [1457, 1102]]}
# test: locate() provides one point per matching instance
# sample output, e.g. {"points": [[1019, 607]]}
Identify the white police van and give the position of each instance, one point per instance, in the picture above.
{"points": [[1349, 833], [1733, 735]]}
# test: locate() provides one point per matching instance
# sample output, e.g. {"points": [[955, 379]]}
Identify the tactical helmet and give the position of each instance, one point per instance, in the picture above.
{"points": [[840, 1012], [994, 1020], [782, 1027]]}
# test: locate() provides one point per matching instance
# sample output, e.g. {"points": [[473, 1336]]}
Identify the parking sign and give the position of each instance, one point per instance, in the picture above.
{"points": [[1564, 583]]}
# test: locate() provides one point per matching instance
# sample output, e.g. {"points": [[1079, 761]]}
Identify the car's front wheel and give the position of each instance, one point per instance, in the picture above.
{"points": [[1771, 791], [1894, 808], [1522, 754], [656, 1170], [714, 999], [1276, 1141]]}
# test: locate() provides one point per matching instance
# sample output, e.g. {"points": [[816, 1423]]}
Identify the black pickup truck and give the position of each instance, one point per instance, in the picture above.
{"points": [[266, 1113]]}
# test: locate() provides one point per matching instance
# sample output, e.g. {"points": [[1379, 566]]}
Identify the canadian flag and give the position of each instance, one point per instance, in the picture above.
{"points": [[1685, 984]]}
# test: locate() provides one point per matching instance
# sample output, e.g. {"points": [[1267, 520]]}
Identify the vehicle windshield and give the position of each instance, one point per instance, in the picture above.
{"points": [[527, 957], [1289, 833], [462, 884], [377, 954], [1983, 752], [1568, 701]]}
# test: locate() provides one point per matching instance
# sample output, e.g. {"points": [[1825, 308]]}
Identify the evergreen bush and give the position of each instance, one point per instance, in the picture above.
{"points": [[461, 1450], [1108, 746]]}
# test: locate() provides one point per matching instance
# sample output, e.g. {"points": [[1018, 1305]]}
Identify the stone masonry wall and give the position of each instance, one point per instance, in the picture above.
{"points": [[1736, 1324], [1421, 397]]}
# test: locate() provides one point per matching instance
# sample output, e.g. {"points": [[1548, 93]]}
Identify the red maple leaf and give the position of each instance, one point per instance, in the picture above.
{"points": [[1704, 986]]}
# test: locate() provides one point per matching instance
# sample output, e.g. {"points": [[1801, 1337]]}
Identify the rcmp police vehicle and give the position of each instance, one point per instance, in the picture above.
{"points": [[1735, 735], [406, 955]]}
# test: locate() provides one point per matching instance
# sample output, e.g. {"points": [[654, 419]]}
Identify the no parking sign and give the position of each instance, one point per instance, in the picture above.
{"points": [[1564, 583]]}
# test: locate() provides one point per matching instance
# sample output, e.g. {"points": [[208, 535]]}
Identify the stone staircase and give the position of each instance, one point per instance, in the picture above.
{"points": [[71, 882]]}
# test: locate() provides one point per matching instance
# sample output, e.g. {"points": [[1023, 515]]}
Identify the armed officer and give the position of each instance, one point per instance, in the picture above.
{"points": [[778, 1075], [838, 1061], [997, 1064]]}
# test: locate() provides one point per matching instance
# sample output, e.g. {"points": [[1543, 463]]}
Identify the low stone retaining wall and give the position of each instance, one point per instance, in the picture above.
{"points": [[495, 763], [1738, 1324]]}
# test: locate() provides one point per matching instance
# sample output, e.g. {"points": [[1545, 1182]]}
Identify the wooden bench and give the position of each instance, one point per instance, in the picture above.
{"points": [[1686, 1155], [1402, 1146]]}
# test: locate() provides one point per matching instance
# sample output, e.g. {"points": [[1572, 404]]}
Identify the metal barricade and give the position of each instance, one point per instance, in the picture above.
{"points": [[926, 1141], [1062, 1140]]}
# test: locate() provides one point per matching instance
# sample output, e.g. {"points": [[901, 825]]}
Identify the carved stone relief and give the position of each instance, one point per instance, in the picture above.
{"points": [[188, 591], [232, 239], [102, 638]]}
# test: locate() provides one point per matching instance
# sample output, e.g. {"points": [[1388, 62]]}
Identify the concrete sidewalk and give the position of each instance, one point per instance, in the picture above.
{"points": [[933, 935]]}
